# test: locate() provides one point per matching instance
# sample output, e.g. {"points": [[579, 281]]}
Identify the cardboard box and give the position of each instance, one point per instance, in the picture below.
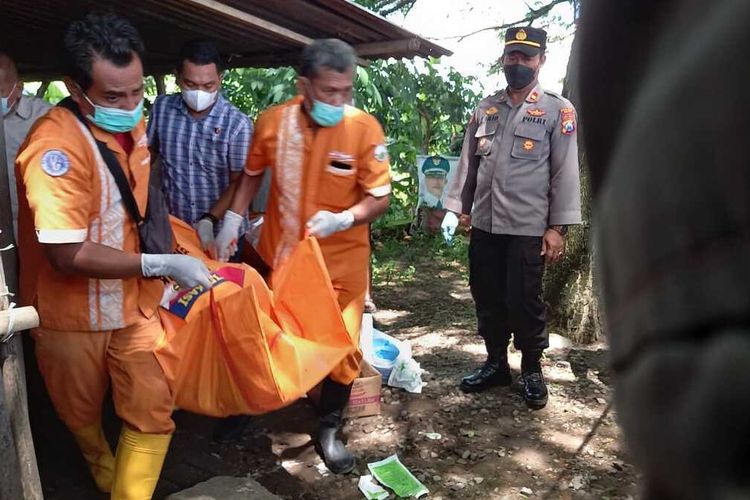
{"points": [[365, 398]]}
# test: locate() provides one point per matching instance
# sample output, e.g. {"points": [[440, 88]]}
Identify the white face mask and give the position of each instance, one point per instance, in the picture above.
{"points": [[199, 100]]}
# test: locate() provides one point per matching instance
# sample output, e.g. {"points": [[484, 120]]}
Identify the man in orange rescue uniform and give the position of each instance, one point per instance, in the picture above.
{"points": [[330, 179], [80, 260]]}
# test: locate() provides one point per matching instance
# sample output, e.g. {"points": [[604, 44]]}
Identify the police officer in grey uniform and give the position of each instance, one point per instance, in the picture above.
{"points": [[517, 182]]}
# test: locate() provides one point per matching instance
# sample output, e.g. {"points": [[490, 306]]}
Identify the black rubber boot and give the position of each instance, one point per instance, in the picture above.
{"points": [[230, 429], [333, 399], [494, 372]]}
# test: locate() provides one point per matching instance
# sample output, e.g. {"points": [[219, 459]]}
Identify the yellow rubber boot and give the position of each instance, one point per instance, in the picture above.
{"points": [[138, 464], [98, 455]]}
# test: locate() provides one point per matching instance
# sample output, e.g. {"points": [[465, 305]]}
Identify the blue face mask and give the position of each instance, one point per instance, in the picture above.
{"points": [[115, 120], [5, 101], [326, 115]]}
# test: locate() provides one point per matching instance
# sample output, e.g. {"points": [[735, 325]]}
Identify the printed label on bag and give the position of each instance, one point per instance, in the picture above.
{"points": [[181, 304]]}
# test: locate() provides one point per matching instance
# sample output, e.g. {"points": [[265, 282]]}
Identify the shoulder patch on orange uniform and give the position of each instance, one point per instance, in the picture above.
{"points": [[381, 153], [55, 163]]}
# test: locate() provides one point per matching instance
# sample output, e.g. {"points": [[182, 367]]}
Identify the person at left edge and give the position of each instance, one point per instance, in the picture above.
{"points": [[201, 140], [19, 114], [80, 262]]}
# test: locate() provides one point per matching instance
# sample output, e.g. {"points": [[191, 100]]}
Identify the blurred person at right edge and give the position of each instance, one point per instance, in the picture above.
{"points": [[664, 97], [330, 179]]}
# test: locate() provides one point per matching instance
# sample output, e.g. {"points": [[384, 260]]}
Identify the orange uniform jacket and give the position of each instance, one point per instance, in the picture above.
{"points": [[67, 195], [330, 168]]}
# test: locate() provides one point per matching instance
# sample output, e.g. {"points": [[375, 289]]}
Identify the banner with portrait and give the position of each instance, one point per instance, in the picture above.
{"points": [[436, 174]]}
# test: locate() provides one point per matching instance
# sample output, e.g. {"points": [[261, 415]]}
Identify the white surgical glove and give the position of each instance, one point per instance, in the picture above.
{"points": [[449, 225], [324, 223], [226, 240], [187, 271], [205, 230]]}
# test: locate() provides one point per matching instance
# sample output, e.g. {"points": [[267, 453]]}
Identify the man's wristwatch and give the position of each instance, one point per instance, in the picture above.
{"points": [[209, 216], [563, 230]]}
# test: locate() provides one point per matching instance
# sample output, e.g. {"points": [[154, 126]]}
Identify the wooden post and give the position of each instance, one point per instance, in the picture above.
{"points": [[17, 458], [18, 469]]}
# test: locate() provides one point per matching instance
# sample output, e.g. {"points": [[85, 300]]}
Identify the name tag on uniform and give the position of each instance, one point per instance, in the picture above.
{"points": [[534, 119]]}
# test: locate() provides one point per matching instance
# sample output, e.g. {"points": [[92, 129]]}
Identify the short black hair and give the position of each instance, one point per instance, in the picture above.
{"points": [[99, 35], [201, 52], [326, 53]]}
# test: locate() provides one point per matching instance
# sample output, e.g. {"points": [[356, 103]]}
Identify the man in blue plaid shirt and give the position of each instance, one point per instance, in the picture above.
{"points": [[201, 140]]}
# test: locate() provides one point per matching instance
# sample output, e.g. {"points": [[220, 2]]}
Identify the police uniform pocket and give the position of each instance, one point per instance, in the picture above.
{"points": [[528, 142], [485, 135]]}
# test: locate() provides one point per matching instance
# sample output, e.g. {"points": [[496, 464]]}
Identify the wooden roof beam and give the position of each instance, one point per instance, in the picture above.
{"points": [[405, 46], [251, 20]]}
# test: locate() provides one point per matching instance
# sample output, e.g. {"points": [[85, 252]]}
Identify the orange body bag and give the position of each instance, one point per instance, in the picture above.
{"points": [[239, 348]]}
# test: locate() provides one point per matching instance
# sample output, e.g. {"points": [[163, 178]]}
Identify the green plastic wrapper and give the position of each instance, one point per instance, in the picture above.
{"points": [[392, 474]]}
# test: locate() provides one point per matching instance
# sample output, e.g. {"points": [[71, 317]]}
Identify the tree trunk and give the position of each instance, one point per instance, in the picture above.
{"points": [[40, 94], [570, 288], [160, 88]]}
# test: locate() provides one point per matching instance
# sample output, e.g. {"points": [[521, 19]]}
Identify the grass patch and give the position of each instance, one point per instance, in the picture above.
{"points": [[397, 260]]}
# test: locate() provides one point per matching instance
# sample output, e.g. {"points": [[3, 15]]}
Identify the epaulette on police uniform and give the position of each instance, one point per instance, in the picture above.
{"points": [[554, 94], [496, 94]]}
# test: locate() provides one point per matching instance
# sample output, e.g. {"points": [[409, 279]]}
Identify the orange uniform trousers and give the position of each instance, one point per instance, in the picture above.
{"points": [[350, 290], [77, 368]]}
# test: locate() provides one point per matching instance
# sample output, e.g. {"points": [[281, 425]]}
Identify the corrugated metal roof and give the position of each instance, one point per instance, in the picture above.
{"points": [[249, 32]]}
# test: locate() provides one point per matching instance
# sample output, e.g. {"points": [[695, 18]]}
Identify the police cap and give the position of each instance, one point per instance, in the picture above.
{"points": [[528, 40]]}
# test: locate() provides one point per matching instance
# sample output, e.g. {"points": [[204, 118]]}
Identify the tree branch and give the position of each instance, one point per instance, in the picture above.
{"points": [[401, 5], [387, 7], [528, 19]]}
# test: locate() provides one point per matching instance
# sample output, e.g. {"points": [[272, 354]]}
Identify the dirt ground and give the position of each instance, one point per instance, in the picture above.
{"points": [[483, 446]]}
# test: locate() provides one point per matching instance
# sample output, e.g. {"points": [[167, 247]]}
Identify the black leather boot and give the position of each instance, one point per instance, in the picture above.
{"points": [[533, 388], [333, 399], [230, 429], [495, 372]]}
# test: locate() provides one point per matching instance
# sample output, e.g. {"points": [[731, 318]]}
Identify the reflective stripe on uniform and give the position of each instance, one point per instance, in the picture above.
{"points": [[289, 154], [106, 296]]}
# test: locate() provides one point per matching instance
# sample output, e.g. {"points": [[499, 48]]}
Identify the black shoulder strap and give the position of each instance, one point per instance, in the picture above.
{"points": [[112, 164]]}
